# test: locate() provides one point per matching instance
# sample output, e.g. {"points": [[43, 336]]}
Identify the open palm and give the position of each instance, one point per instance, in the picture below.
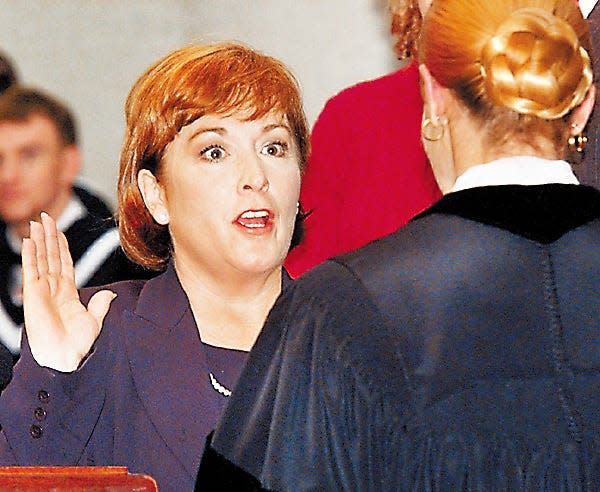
{"points": [[60, 329]]}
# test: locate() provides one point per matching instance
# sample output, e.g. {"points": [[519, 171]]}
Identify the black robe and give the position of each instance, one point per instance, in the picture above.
{"points": [[460, 353]]}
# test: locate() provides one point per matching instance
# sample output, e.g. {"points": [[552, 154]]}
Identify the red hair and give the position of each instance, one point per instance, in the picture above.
{"points": [[520, 66], [221, 78]]}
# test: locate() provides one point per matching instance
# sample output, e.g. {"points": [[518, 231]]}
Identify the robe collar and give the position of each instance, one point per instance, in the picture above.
{"points": [[541, 213]]}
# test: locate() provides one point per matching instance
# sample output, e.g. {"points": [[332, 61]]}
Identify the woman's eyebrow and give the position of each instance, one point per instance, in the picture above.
{"points": [[275, 126], [209, 129]]}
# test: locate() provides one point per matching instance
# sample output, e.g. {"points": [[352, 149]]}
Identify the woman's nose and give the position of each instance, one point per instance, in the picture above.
{"points": [[254, 176]]}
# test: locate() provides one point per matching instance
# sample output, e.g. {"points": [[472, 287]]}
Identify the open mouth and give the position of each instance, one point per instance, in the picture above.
{"points": [[255, 219]]}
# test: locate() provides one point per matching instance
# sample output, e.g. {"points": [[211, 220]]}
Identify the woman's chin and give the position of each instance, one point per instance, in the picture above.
{"points": [[261, 258]]}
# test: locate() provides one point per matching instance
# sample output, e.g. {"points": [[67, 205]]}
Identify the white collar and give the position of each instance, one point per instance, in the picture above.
{"points": [[587, 6], [73, 212], [516, 170]]}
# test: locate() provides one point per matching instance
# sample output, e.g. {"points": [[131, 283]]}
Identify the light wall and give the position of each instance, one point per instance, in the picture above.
{"points": [[89, 52]]}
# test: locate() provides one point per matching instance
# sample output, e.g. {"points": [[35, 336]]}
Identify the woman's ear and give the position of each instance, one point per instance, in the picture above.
{"points": [[432, 92], [154, 196], [581, 114], [435, 131]]}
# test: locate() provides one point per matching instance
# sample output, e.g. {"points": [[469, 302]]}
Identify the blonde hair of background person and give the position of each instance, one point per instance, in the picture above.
{"points": [[405, 26], [137, 373]]}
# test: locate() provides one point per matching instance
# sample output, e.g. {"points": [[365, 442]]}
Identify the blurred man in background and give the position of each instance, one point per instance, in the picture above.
{"points": [[40, 161]]}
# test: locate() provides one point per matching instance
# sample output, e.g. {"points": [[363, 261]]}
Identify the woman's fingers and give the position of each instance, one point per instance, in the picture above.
{"points": [[30, 271], [52, 249], [60, 328], [66, 261], [51, 259], [66, 267], [36, 233], [99, 304]]}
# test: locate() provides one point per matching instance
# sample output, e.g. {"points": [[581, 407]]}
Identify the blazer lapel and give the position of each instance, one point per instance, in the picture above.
{"points": [[167, 363]]}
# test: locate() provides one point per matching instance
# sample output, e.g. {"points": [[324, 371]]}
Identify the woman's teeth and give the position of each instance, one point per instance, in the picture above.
{"points": [[253, 214], [254, 218]]}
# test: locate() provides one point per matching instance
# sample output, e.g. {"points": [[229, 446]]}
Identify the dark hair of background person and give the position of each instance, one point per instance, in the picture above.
{"points": [[18, 103], [8, 73], [233, 78]]}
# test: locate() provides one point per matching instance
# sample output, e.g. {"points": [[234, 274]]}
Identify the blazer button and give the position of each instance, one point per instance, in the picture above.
{"points": [[39, 413], [43, 396], [36, 431]]}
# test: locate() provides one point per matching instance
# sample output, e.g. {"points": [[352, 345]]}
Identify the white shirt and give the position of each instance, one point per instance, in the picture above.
{"points": [[72, 213], [516, 170], [587, 6], [85, 267]]}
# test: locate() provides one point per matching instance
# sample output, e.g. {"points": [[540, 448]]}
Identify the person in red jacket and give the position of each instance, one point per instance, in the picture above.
{"points": [[367, 174]]}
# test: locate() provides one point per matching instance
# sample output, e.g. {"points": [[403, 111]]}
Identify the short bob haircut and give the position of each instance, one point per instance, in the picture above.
{"points": [[220, 78]]}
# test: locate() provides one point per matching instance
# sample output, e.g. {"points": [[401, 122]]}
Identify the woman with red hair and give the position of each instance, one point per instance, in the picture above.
{"points": [[138, 373]]}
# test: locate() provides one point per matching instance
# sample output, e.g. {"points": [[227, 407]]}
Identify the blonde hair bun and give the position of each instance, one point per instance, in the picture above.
{"points": [[535, 65]]}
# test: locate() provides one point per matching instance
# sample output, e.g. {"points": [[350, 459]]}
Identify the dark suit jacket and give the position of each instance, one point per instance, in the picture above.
{"points": [[460, 353], [136, 401]]}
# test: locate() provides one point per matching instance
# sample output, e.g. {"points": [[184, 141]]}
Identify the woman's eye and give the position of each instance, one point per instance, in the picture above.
{"points": [[275, 149], [213, 153]]}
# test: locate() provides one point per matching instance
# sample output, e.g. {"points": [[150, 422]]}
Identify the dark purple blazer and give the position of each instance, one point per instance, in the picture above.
{"points": [[141, 399]]}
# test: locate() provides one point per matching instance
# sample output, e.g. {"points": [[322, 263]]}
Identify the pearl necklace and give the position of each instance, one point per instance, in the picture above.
{"points": [[218, 386]]}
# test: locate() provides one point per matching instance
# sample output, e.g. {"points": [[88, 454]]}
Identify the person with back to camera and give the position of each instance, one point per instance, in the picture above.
{"points": [[459, 353], [367, 174], [40, 160], [208, 192]]}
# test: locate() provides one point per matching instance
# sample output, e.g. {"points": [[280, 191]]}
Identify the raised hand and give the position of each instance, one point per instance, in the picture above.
{"points": [[60, 329]]}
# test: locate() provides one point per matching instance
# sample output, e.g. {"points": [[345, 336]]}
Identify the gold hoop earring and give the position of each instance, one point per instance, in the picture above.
{"points": [[432, 129], [577, 142]]}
